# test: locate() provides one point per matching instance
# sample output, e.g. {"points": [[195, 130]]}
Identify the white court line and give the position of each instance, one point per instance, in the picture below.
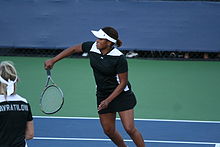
{"points": [[217, 145], [127, 140], [138, 119]]}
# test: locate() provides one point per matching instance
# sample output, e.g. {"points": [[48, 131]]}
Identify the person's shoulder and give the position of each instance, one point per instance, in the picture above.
{"points": [[88, 43], [115, 52], [17, 97], [86, 46]]}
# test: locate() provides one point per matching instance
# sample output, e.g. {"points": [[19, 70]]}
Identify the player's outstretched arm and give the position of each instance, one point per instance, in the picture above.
{"points": [[65, 53]]}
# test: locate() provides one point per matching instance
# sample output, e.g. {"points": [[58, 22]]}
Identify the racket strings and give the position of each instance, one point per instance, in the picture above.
{"points": [[52, 99]]}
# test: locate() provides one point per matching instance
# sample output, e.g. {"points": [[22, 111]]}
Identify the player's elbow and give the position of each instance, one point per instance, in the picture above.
{"points": [[29, 136], [122, 85]]}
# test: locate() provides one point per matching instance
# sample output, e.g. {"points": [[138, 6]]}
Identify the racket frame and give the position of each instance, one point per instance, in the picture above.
{"points": [[47, 85]]}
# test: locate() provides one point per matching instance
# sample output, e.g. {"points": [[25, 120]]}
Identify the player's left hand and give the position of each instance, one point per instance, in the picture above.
{"points": [[103, 104]]}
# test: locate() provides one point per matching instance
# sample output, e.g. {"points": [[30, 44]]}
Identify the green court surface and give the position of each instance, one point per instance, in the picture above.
{"points": [[179, 90]]}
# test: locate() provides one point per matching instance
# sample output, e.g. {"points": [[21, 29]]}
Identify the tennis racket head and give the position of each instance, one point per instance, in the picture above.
{"points": [[52, 98]]}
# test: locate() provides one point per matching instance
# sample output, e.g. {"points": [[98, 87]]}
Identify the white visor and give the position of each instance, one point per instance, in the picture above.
{"points": [[10, 85], [102, 35]]}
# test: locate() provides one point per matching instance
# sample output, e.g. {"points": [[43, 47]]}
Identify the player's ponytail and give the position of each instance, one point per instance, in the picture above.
{"points": [[119, 43]]}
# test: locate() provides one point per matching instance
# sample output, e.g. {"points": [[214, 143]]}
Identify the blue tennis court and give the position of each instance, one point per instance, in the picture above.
{"points": [[87, 132]]}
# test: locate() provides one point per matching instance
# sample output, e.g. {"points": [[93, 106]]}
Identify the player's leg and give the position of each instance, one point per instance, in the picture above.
{"points": [[127, 119], [108, 124]]}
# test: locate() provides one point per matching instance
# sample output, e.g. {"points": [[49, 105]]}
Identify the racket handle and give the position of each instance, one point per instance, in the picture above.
{"points": [[48, 72]]}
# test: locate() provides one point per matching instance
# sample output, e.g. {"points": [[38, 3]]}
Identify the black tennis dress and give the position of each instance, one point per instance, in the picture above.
{"points": [[106, 69]]}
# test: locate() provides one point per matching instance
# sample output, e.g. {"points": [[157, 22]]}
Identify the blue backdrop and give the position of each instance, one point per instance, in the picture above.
{"points": [[143, 25]]}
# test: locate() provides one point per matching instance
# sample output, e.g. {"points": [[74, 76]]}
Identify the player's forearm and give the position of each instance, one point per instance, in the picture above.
{"points": [[65, 53], [123, 78], [117, 91]]}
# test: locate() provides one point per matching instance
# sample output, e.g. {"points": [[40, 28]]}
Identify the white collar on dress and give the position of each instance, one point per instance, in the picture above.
{"points": [[14, 97], [113, 52]]}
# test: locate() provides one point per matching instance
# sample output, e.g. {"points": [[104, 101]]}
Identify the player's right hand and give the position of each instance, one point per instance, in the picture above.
{"points": [[48, 64]]}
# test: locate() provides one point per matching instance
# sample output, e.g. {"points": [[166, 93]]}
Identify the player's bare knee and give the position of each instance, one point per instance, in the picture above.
{"points": [[109, 131], [130, 130]]}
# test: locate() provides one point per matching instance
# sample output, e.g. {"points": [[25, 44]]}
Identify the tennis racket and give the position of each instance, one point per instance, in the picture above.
{"points": [[52, 98]]}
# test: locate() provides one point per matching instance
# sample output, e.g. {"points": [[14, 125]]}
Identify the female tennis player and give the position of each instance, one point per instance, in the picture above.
{"points": [[114, 92], [16, 122]]}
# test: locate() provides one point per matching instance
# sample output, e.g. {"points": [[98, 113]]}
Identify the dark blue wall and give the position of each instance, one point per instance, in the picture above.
{"points": [[143, 25]]}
